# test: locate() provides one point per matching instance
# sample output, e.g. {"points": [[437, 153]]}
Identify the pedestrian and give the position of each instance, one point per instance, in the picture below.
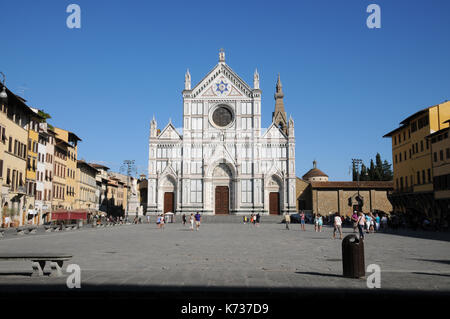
{"points": [[384, 221], [368, 219], [372, 223], [158, 221], [197, 221], [244, 219], [162, 221], [191, 221], [377, 222], [337, 226], [316, 222], [355, 221], [287, 220], [302, 220], [361, 223], [258, 219], [184, 219], [148, 219]]}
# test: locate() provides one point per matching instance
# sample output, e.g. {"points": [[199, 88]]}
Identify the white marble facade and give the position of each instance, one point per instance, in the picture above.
{"points": [[222, 162]]}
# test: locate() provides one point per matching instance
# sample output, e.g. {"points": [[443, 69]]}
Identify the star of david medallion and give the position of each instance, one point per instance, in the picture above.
{"points": [[221, 88]]}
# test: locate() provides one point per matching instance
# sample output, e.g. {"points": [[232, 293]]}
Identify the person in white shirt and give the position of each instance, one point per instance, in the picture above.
{"points": [[337, 225]]}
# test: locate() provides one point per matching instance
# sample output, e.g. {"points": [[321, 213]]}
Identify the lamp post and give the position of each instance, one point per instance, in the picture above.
{"points": [[356, 162]]}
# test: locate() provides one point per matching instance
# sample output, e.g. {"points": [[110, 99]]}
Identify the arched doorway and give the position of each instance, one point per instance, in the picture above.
{"points": [[222, 200], [169, 202], [167, 194], [222, 177], [274, 195], [274, 203]]}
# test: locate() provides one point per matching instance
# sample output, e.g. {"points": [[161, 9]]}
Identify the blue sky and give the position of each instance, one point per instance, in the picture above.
{"points": [[345, 85]]}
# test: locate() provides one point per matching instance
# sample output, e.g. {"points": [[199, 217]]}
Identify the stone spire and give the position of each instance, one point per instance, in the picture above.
{"points": [[187, 80], [279, 116], [256, 80]]}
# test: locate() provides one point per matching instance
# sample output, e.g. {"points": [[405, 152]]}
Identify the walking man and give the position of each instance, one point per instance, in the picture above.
{"points": [[197, 220], [287, 219]]}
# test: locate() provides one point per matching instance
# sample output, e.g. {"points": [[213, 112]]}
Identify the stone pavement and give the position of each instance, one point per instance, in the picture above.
{"points": [[228, 255]]}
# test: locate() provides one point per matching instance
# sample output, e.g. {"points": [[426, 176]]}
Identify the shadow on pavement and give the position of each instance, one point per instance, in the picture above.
{"points": [[442, 236], [318, 274], [440, 261], [431, 274]]}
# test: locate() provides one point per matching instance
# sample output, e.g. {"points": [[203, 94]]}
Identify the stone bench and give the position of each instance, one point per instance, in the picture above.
{"points": [[2, 233], [38, 262], [21, 230], [70, 227], [50, 228]]}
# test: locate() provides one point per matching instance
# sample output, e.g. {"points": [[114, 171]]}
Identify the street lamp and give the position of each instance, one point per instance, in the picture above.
{"points": [[3, 94]]}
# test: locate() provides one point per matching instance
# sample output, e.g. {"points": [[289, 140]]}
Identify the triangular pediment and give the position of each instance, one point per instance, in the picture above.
{"points": [[222, 82], [168, 171], [274, 132], [169, 133], [219, 155]]}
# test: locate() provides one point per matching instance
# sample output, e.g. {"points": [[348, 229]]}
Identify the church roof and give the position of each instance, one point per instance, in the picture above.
{"points": [[226, 70], [314, 172]]}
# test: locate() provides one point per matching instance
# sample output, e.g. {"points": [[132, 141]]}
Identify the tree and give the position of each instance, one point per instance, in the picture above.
{"points": [[387, 172], [377, 171]]}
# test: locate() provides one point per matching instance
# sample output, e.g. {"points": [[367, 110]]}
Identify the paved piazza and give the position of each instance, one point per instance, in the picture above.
{"points": [[226, 255]]}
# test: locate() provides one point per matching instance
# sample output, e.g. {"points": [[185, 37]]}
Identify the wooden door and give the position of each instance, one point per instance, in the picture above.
{"points": [[169, 202], [274, 203], [222, 200]]}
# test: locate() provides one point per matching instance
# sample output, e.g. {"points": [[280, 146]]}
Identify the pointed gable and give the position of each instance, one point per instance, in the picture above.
{"points": [[170, 133], [274, 132], [233, 85]]}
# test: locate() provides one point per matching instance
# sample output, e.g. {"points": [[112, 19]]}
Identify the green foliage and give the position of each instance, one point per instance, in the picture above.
{"points": [[45, 116], [377, 171]]}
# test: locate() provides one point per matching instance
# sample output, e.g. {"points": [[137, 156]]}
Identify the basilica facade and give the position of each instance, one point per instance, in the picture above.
{"points": [[223, 162]]}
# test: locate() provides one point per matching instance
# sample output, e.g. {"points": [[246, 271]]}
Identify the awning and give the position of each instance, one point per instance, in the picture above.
{"points": [[69, 214]]}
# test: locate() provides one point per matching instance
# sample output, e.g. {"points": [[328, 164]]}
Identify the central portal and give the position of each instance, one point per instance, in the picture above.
{"points": [[222, 200]]}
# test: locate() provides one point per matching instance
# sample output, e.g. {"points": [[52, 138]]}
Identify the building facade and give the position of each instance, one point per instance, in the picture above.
{"points": [[318, 195], [15, 118], [413, 193], [71, 140], [440, 150], [86, 193], [224, 162]]}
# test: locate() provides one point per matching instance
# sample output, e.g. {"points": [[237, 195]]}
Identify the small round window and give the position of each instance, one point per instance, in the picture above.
{"points": [[222, 116]]}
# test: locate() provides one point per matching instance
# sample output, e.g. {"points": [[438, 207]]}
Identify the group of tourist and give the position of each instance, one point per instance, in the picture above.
{"points": [[254, 219], [368, 223], [193, 218]]}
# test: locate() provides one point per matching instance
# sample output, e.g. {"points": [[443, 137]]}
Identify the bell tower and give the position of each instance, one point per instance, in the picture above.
{"points": [[279, 115]]}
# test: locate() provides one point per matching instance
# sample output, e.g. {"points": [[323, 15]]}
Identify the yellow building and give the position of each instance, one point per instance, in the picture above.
{"points": [[71, 141], [440, 152], [59, 174], [32, 154], [412, 161], [14, 126]]}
